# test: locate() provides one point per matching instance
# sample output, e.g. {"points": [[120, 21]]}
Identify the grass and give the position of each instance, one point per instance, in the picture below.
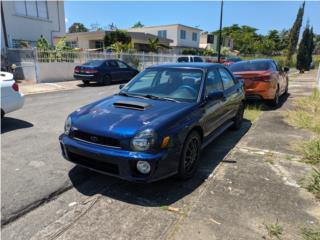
{"points": [[313, 184], [274, 230], [252, 112], [307, 116], [310, 234]]}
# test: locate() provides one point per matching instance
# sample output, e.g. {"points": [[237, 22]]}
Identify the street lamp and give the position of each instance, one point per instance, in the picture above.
{"points": [[220, 32]]}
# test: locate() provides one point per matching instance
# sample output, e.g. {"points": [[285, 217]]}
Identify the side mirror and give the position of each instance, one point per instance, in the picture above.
{"points": [[286, 69], [121, 86], [216, 95]]}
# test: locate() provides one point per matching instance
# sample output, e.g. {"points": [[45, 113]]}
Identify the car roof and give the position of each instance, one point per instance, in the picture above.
{"points": [[201, 65], [257, 60]]}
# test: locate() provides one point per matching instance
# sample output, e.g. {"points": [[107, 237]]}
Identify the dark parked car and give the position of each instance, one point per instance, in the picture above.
{"points": [[104, 71], [156, 126]]}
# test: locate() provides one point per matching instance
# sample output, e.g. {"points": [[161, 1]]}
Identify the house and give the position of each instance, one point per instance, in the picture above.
{"points": [[183, 37], [94, 40], [211, 41], [27, 20]]}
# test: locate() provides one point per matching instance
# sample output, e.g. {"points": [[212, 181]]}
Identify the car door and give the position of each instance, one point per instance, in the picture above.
{"points": [[232, 93], [114, 70], [213, 109], [282, 78], [125, 71]]}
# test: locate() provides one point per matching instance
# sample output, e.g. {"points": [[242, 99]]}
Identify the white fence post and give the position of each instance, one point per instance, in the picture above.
{"points": [[36, 62]]}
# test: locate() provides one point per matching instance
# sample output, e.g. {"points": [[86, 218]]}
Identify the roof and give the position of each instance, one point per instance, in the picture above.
{"points": [[134, 35], [170, 25], [202, 65]]}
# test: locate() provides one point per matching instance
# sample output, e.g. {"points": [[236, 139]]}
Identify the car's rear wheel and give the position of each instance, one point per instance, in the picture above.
{"points": [[287, 88], [2, 114], [274, 102], [237, 120], [85, 82], [106, 80], [190, 156]]}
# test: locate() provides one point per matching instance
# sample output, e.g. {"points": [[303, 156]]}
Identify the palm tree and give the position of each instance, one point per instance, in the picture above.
{"points": [[155, 45]]}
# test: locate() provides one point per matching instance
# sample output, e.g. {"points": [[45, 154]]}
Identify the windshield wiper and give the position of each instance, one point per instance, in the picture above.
{"points": [[159, 98]]}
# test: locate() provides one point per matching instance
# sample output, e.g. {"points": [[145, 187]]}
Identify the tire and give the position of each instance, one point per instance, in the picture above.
{"points": [[238, 119], [106, 80], [287, 88], [2, 114], [190, 155], [85, 82], [274, 102]]}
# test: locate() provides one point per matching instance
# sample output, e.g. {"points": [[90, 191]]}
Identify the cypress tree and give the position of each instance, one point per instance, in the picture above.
{"points": [[294, 34], [311, 47], [303, 51]]}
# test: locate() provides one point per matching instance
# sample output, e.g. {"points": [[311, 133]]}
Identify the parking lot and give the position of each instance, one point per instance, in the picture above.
{"points": [[235, 193]]}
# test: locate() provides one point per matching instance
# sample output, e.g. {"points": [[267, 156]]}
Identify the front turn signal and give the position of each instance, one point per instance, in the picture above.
{"points": [[165, 142]]}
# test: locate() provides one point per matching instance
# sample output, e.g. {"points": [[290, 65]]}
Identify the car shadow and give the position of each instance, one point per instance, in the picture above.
{"points": [[265, 107], [95, 84], [9, 124], [167, 191]]}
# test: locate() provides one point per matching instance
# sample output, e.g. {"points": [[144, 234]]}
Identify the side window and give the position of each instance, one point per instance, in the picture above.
{"points": [[226, 77], [213, 83], [198, 59], [113, 64], [145, 82], [122, 65], [164, 78]]}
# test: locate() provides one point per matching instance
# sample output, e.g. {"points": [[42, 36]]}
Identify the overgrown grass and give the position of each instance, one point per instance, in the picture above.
{"points": [[310, 234], [313, 183], [307, 116], [252, 112], [274, 230]]}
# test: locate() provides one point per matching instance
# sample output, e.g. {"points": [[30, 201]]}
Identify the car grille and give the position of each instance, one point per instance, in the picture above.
{"points": [[95, 139], [93, 163]]}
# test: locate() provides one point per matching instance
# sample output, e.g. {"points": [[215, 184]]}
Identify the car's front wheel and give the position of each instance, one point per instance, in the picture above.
{"points": [[106, 80], [237, 120], [190, 156]]}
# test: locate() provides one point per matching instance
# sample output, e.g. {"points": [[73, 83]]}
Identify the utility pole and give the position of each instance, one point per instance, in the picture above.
{"points": [[220, 32]]}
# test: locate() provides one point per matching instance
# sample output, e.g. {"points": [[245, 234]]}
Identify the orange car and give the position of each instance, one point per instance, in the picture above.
{"points": [[264, 79]]}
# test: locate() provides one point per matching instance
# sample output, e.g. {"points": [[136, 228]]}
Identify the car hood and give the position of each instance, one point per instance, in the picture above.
{"points": [[122, 117]]}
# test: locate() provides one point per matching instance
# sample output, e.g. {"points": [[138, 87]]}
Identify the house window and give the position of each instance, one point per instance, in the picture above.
{"points": [[72, 44], [183, 34], [194, 36], [37, 9], [162, 33], [19, 43], [99, 44]]}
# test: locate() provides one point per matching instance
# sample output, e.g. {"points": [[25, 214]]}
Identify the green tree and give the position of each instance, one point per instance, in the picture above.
{"points": [[294, 34], [95, 27], [306, 46], [117, 35], [42, 43], [137, 25], [153, 44], [77, 27]]}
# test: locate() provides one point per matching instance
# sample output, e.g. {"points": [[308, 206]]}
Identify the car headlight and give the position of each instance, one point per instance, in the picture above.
{"points": [[144, 140], [67, 126]]}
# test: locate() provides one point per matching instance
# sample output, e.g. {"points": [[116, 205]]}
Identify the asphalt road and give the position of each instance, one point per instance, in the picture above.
{"points": [[33, 169]]}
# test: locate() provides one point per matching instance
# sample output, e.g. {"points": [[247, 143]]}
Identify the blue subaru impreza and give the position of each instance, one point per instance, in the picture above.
{"points": [[156, 126]]}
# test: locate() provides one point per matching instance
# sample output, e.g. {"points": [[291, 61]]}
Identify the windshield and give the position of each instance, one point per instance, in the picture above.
{"points": [[250, 66], [94, 63], [168, 84]]}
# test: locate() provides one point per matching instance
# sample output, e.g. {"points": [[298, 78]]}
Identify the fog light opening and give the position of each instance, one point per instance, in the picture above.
{"points": [[143, 167]]}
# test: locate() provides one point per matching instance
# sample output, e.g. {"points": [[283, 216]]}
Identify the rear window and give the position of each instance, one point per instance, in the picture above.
{"points": [[183, 59], [250, 66], [94, 63]]}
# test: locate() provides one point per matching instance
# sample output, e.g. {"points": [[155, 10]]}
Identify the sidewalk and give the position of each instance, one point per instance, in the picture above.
{"points": [[33, 88]]}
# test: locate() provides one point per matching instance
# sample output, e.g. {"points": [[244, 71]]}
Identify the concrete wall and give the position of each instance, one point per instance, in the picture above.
{"points": [[31, 28], [55, 72]]}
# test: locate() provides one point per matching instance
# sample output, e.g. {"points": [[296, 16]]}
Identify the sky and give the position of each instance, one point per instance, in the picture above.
{"points": [[263, 15]]}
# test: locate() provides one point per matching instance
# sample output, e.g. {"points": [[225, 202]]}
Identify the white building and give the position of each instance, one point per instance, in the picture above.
{"points": [[183, 36], [28, 20], [211, 41]]}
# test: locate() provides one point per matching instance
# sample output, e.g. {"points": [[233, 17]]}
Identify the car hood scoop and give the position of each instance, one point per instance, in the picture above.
{"points": [[132, 105]]}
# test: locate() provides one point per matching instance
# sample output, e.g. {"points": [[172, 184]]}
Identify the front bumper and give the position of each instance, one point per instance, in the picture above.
{"points": [[117, 162]]}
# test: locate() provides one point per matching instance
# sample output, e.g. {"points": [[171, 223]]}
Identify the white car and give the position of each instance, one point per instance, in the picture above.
{"points": [[189, 59], [11, 98]]}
